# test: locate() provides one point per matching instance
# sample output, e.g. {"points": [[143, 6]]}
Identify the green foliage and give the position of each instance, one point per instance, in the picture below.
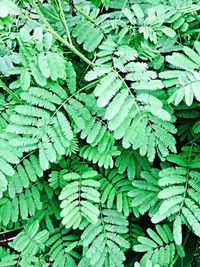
{"points": [[23, 194], [104, 239], [186, 80], [114, 188], [179, 195], [147, 264], [29, 241], [63, 244], [8, 8], [139, 121], [78, 198], [97, 3], [99, 133], [8, 155], [144, 193], [157, 245]]}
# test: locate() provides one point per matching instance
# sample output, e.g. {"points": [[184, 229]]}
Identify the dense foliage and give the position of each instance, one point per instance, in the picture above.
{"points": [[100, 133]]}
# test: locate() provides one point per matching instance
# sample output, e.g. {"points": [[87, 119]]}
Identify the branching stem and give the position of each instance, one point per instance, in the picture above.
{"points": [[64, 22], [57, 36], [177, 256], [10, 92]]}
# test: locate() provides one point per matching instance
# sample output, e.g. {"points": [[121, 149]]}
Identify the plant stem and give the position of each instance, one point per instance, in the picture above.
{"points": [[34, 21], [177, 256], [10, 92], [84, 14], [65, 22], [7, 240], [62, 40], [87, 17], [8, 231], [48, 12]]}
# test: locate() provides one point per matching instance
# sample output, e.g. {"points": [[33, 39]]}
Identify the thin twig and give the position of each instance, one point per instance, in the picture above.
{"points": [[65, 22], [62, 40], [10, 92], [7, 239]]}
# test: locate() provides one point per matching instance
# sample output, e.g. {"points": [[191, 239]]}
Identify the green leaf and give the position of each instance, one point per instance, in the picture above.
{"points": [[177, 230], [7, 7]]}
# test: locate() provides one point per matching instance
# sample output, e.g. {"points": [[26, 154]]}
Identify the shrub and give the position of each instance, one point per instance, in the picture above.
{"points": [[99, 133]]}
